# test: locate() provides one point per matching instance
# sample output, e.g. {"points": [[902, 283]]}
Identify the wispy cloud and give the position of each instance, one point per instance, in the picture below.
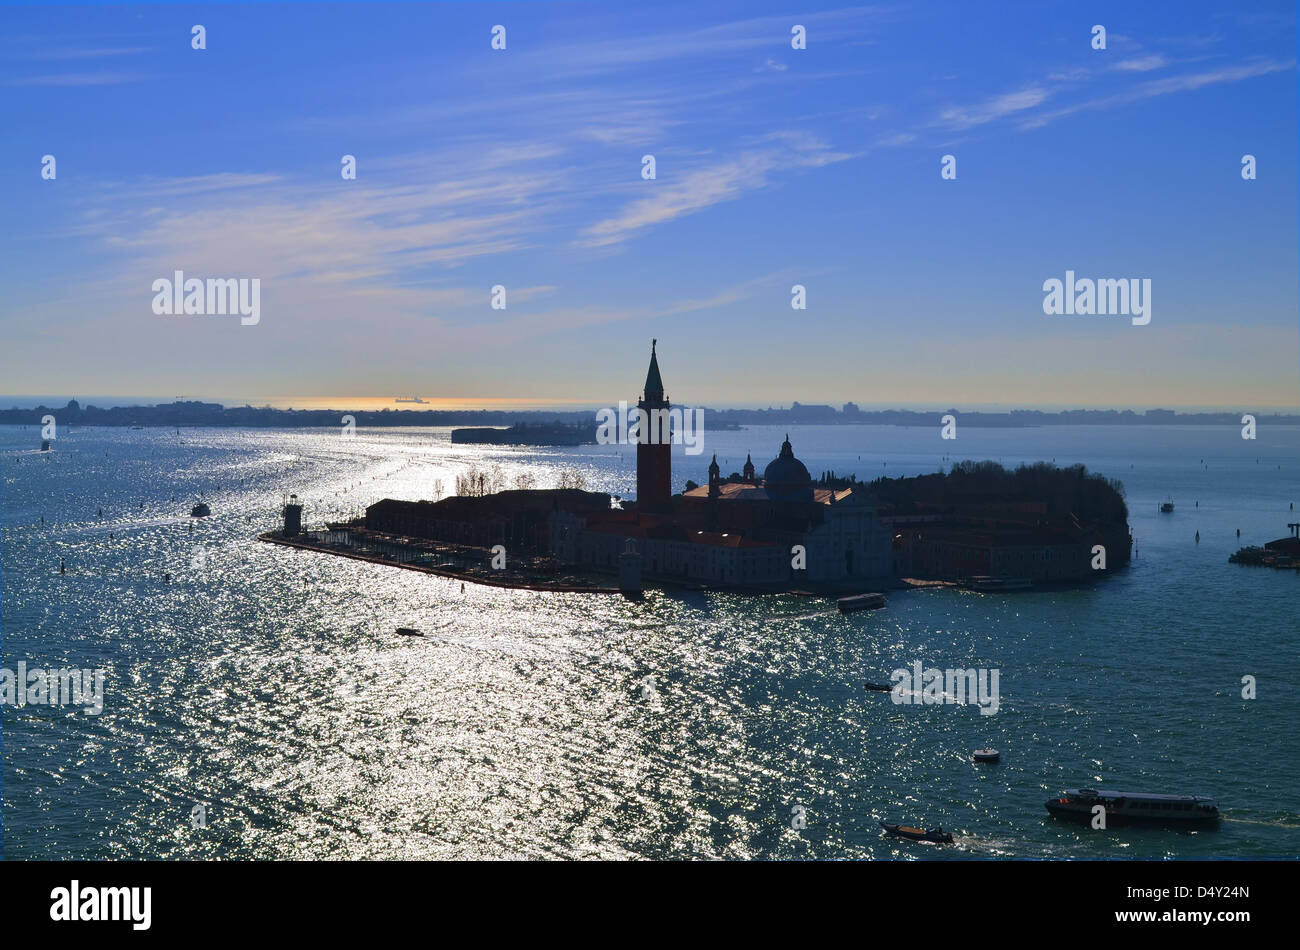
{"points": [[536, 323], [77, 79], [148, 189], [40, 52], [1141, 64], [704, 187], [997, 107], [1162, 87], [719, 40], [896, 139]]}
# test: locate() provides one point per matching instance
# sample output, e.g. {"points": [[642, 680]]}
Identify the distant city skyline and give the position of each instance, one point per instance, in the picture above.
{"points": [[774, 166], [345, 403]]}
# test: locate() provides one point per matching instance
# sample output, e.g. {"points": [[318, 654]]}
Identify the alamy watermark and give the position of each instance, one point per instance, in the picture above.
{"points": [[636, 426], [75, 903], [935, 687], [1101, 297], [216, 296], [48, 687]]}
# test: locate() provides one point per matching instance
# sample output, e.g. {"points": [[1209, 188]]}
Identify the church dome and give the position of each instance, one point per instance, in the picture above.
{"points": [[786, 478]]}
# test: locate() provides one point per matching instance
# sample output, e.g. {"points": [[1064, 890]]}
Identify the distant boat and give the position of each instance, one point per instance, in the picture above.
{"points": [[409, 632], [409, 399], [936, 835], [878, 687], [1166, 506], [986, 755], [137, 427], [200, 510], [45, 445], [1134, 807], [857, 602]]}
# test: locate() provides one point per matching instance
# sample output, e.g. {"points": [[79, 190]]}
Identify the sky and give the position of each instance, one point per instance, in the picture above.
{"points": [[523, 168]]}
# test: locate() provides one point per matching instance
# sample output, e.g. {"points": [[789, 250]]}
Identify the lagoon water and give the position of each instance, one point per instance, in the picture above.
{"points": [[267, 686]]}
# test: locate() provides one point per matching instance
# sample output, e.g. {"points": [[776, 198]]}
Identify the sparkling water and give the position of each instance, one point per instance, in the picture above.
{"points": [[258, 703]]}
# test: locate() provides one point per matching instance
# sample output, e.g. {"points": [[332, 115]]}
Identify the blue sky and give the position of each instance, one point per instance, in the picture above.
{"points": [[775, 166]]}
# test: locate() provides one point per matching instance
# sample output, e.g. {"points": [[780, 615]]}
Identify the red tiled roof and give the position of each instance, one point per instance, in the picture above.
{"points": [[749, 491]]}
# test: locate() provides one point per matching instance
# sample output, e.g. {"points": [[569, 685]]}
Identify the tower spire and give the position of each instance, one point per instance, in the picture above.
{"points": [[654, 449], [654, 384]]}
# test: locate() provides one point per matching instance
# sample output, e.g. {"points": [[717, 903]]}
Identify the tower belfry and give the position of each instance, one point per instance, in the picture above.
{"points": [[654, 474]]}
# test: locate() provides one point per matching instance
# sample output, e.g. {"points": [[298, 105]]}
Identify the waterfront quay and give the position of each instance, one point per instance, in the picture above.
{"points": [[462, 562]]}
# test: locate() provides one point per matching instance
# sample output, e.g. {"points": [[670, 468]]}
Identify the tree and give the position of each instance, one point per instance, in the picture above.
{"points": [[477, 482], [571, 478]]}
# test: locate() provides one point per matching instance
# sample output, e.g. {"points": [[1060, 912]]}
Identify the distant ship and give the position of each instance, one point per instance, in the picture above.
{"points": [[409, 399], [1135, 807], [1167, 506]]}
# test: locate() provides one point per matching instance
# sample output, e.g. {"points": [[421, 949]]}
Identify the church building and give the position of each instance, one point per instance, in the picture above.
{"points": [[781, 531]]}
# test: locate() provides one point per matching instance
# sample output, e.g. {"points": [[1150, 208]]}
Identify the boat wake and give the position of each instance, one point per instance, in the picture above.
{"points": [[820, 615], [1271, 824]]}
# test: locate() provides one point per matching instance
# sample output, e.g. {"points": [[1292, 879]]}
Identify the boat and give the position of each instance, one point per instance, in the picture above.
{"points": [[45, 445], [995, 585], [409, 632], [1167, 507], [857, 602], [935, 835], [1135, 807], [878, 687], [986, 755], [200, 510]]}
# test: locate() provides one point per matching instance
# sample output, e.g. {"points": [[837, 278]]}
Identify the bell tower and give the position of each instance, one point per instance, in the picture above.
{"points": [[654, 467]]}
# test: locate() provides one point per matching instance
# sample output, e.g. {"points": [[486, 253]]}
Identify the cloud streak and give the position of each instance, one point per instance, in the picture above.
{"points": [[705, 187], [78, 79], [997, 107], [1161, 87]]}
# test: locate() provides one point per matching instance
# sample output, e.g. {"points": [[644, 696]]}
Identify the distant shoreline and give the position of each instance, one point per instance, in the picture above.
{"points": [[215, 415]]}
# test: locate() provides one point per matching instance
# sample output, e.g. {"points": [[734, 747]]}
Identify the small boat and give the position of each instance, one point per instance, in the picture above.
{"points": [[1135, 807], [200, 510], [857, 602], [1166, 507], [878, 687], [936, 835], [986, 755], [409, 632], [45, 445]]}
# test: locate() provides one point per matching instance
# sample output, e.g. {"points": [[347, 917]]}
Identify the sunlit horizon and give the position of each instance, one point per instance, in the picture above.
{"points": [[490, 404]]}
